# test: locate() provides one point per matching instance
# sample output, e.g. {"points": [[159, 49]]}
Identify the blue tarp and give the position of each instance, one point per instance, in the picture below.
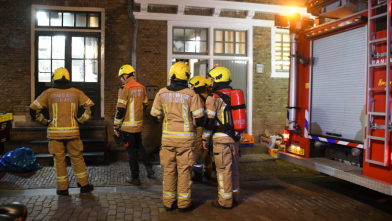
{"points": [[19, 161]]}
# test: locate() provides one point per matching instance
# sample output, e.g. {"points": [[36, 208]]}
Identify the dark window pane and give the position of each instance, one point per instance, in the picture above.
{"points": [[190, 34], [202, 34], [178, 34], [80, 19]]}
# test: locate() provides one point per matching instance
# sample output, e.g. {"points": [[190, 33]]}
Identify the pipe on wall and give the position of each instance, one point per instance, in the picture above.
{"points": [[135, 32], [293, 83]]}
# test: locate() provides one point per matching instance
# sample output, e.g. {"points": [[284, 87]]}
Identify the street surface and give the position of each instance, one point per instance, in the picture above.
{"points": [[271, 189]]}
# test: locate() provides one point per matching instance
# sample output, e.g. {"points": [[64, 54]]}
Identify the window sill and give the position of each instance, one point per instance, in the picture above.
{"points": [[280, 74]]}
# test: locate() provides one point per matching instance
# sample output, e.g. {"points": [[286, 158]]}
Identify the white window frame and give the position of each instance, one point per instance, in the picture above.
{"points": [[274, 73], [34, 8], [210, 57]]}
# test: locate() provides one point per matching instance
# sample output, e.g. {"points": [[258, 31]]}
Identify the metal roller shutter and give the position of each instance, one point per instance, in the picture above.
{"points": [[339, 86]]}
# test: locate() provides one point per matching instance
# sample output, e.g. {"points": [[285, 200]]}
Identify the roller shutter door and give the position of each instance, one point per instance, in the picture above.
{"points": [[338, 100]]}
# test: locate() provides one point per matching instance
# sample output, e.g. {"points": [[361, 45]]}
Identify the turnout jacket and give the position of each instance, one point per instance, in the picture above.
{"points": [[178, 108], [63, 107], [132, 98], [215, 107]]}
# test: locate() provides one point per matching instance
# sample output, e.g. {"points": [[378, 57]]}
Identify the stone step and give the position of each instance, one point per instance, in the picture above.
{"points": [[90, 158], [40, 133], [256, 149], [41, 146]]}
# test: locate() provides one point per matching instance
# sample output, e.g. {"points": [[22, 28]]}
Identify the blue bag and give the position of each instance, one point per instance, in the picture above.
{"points": [[19, 161]]}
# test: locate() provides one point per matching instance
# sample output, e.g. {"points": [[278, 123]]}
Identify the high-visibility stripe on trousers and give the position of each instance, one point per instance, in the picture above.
{"points": [[177, 182], [74, 149], [226, 161]]}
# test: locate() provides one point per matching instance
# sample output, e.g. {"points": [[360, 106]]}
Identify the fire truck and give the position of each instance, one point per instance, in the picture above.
{"points": [[339, 114]]}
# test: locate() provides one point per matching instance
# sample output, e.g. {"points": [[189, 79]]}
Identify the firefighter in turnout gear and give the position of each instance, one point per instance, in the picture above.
{"points": [[63, 102], [179, 106], [132, 101], [198, 84], [226, 148]]}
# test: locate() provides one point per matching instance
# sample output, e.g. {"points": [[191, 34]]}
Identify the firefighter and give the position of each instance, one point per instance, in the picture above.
{"points": [[179, 106], [63, 102], [226, 148], [198, 84], [132, 101]]}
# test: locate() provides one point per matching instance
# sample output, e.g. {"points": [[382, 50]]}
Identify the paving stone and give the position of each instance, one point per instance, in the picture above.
{"points": [[275, 195]]}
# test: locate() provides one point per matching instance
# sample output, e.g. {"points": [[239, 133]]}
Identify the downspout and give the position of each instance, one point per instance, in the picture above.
{"points": [[135, 29], [292, 108]]}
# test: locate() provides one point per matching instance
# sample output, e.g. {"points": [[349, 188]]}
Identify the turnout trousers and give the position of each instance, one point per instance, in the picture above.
{"points": [[134, 150], [177, 182], [74, 148], [226, 161], [202, 156]]}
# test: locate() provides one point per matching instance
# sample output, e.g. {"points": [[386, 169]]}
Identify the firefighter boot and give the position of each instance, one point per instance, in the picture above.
{"points": [[184, 210], [133, 181], [86, 189], [197, 177], [216, 204], [150, 173], [173, 207], [62, 192]]}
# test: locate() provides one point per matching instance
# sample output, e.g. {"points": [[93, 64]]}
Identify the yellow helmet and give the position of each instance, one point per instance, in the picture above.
{"points": [[59, 73], [126, 69], [220, 74], [208, 84], [198, 81], [180, 71]]}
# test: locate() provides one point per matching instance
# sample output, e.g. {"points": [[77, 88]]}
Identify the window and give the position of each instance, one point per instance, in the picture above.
{"points": [[229, 42], [84, 59], [51, 55], [68, 19], [189, 40], [282, 52]]}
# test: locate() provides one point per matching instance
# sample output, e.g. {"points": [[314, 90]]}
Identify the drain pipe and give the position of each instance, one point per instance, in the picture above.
{"points": [[292, 108], [135, 29]]}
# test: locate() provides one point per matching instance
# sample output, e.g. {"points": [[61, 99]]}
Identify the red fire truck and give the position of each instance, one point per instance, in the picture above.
{"points": [[339, 109]]}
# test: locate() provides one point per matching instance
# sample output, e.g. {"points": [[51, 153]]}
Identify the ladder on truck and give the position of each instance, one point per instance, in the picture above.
{"points": [[371, 89]]}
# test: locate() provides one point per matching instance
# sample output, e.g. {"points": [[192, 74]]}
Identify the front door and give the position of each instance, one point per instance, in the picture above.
{"points": [[79, 53]]}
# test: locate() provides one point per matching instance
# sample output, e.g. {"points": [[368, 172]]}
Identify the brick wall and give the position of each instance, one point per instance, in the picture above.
{"points": [[14, 56], [269, 94], [152, 71]]}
